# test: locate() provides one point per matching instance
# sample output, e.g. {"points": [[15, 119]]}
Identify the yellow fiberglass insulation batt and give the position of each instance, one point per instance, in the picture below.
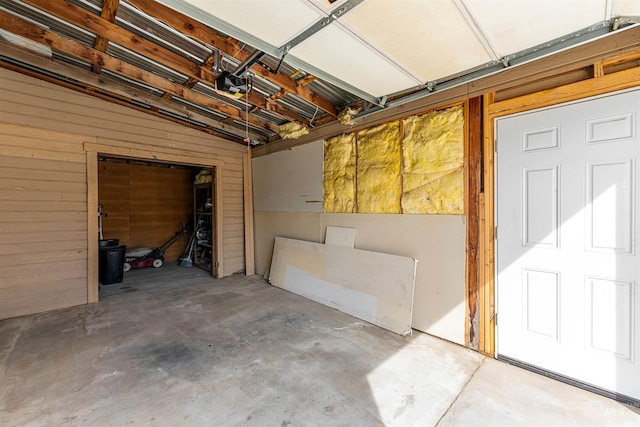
{"points": [[339, 174], [378, 173], [433, 150], [292, 130]]}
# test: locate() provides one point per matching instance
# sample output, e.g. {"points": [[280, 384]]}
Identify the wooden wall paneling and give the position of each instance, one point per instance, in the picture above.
{"points": [[48, 126], [146, 205], [113, 195], [161, 201], [248, 217], [57, 294], [92, 227], [43, 221], [157, 154]]}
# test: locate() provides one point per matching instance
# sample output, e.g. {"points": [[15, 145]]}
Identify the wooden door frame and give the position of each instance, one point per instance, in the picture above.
{"points": [[600, 84], [135, 153]]}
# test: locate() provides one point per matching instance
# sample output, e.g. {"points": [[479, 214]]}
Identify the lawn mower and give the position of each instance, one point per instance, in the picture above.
{"points": [[148, 257]]}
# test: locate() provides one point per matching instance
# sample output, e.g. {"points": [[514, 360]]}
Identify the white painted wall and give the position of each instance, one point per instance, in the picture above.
{"points": [[296, 173], [436, 241]]}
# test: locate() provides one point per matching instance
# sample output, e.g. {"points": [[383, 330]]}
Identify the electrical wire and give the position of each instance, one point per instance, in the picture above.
{"points": [[313, 118]]}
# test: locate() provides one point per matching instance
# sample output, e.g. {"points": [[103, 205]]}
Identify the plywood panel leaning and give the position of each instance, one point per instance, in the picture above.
{"points": [[372, 286]]}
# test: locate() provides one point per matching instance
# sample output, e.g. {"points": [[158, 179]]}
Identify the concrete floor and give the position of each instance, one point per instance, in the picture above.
{"points": [[173, 347]]}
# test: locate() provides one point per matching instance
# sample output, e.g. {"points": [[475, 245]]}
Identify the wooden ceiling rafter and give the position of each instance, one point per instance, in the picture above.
{"points": [[43, 68], [80, 51], [109, 10], [107, 30], [207, 35]]}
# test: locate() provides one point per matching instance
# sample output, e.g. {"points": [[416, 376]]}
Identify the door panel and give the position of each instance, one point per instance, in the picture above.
{"points": [[566, 252], [540, 210]]}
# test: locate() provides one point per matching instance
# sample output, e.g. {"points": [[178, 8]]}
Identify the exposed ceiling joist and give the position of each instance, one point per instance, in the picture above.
{"points": [[300, 60], [105, 30], [77, 50], [110, 89], [109, 10], [204, 34]]}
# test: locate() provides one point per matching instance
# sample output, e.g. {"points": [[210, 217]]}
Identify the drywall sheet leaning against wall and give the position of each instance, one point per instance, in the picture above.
{"points": [[433, 150], [372, 286]]}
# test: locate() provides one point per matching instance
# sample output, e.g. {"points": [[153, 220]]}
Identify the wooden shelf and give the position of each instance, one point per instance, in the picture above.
{"points": [[204, 226]]}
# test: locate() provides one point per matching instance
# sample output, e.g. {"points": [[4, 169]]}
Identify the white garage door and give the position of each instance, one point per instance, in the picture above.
{"points": [[567, 241]]}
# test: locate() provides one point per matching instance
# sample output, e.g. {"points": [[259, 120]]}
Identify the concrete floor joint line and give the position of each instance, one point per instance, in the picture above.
{"points": [[453, 402]]}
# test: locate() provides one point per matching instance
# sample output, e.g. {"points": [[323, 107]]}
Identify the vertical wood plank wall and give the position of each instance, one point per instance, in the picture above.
{"points": [[113, 193], [43, 186], [145, 205]]}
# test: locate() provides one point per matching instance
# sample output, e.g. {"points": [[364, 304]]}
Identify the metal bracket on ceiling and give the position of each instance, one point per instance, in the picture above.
{"points": [[382, 101], [252, 59], [217, 64], [320, 24], [431, 86]]}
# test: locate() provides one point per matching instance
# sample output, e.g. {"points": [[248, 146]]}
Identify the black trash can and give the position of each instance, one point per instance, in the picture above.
{"points": [[111, 263], [107, 243]]}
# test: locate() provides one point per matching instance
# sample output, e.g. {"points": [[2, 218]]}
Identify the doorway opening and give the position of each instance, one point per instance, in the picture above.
{"points": [[164, 213]]}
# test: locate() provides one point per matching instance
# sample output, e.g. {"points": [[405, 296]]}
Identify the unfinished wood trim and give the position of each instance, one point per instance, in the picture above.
{"points": [[572, 92], [355, 172], [621, 59], [154, 155], [472, 168], [468, 330], [219, 212], [215, 214], [124, 144], [92, 227], [249, 255], [598, 69], [486, 339], [401, 121]]}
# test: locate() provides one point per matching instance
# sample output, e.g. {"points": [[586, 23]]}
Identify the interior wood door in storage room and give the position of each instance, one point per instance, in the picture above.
{"points": [[567, 241]]}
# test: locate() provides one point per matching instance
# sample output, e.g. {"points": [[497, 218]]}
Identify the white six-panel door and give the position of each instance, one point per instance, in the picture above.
{"points": [[568, 269]]}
